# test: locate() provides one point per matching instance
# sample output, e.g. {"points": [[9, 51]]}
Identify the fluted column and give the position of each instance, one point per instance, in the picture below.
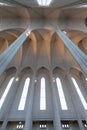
{"points": [[77, 54], [57, 121], [10, 98], [10, 52], [28, 120], [76, 101]]}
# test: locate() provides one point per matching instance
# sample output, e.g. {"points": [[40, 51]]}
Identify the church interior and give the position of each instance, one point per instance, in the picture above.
{"points": [[43, 64]]}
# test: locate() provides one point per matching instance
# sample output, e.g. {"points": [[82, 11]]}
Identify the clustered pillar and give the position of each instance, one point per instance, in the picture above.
{"points": [[28, 120], [80, 58], [5, 59], [10, 97], [57, 120], [10, 52], [76, 101]]}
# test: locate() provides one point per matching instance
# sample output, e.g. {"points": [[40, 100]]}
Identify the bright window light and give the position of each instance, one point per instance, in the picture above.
{"points": [[6, 92], [64, 32], [83, 6], [24, 94], [20, 126], [42, 95], [43, 126], [61, 94], [44, 2], [79, 93], [3, 4], [28, 33], [65, 126], [85, 125]]}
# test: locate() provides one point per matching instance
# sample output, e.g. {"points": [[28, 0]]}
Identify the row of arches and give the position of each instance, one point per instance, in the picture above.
{"points": [[41, 79], [57, 70], [42, 93]]}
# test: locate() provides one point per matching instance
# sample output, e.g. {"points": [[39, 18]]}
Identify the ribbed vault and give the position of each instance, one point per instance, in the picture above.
{"points": [[43, 48]]}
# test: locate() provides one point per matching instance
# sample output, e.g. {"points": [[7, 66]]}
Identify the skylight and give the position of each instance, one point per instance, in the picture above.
{"points": [[84, 6], [44, 2], [3, 4], [81, 6]]}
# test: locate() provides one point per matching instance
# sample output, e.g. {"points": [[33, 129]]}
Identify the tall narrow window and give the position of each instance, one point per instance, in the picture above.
{"points": [[24, 94], [6, 92], [79, 93], [42, 94], [61, 94]]}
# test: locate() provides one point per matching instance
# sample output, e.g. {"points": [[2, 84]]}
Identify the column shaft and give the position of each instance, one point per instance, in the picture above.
{"points": [[10, 97], [77, 54], [76, 101], [57, 121], [10, 52], [28, 120]]}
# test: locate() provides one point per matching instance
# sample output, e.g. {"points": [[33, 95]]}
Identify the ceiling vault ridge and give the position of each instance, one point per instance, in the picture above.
{"points": [[14, 2]]}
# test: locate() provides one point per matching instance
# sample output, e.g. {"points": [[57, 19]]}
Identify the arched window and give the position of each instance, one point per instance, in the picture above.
{"points": [[42, 94], [6, 92], [24, 94], [79, 93], [61, 94]]}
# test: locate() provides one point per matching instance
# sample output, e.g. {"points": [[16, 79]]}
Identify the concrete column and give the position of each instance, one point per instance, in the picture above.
{"points": [[77, 54], [57, 121], [82, 84], [76, 101], [9, 99], [10, 52], [28, 120]]}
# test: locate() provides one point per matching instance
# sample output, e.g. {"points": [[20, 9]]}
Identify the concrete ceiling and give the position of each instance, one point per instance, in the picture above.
{"points": [[43, 47], [34, 3], [61, 13]]}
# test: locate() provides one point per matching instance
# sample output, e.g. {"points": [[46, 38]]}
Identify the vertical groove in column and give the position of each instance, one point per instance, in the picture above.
{"points": [[10, 52], [78, 55], [75, 100], [57, 121], [28, 120]]}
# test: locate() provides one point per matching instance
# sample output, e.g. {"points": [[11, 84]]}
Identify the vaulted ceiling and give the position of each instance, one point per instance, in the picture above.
{"points": [[43, 47]]}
